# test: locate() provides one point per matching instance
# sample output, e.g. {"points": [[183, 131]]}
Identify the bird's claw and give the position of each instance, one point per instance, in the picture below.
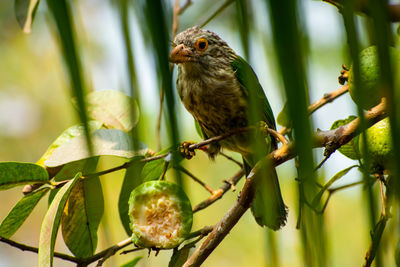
{"points": [[185, 151], [264, 128]]}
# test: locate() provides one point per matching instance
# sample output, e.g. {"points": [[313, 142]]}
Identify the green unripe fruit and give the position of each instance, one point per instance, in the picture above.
{"points": [[379, 143], [350, 149], [370, 93], [160, 215]]}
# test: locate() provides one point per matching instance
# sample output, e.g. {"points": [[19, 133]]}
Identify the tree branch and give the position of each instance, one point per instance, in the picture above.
{"points": [[332, 139], [103, 255], [220, 192], [35, 250], [327, 98], [393, 10], [191, 175]]}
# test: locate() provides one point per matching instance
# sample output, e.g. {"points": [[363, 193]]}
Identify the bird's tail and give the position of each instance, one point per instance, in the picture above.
{"points": [[267, 207]]}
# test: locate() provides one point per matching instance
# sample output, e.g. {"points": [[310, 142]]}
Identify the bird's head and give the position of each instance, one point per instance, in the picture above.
{"points": [[200, 47]]}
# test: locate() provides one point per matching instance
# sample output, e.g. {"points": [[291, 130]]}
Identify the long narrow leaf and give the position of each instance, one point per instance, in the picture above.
{"points": [[243, 25], [336, 177], [51, 222], [20, 212], [156, 23], [61, 13], [289, 47], [25, 11]]}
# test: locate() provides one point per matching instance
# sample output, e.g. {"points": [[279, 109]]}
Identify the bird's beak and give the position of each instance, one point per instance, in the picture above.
{"points": [[181, 54]]}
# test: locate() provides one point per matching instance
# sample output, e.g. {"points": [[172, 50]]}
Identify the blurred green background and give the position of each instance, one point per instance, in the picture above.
{"points": [[35, 108]]}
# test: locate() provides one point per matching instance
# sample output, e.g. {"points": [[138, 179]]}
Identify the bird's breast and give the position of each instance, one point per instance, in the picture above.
{"points": [[217, 103]]}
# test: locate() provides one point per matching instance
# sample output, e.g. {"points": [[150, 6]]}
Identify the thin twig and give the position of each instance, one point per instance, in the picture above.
{"points": [[322, 163], [219, 137], [197, 180], [35, 250], [217, 12], [377, 232], [220, 192], [327, 98], [393, 10], [175, 20], [103, 255], [202, 232], [183, 8], [277, 135], [125, 165], [231, 159], [130, 250]]}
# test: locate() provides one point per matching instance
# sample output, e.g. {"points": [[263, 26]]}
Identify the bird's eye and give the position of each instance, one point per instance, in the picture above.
{"points": [[201, 44]]}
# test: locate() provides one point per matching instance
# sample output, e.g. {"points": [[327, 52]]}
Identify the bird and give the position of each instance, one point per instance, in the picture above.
{"points": [[222, 92]]}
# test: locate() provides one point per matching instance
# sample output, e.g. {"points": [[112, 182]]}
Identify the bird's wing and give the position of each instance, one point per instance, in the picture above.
{"points": [[253, 90]]}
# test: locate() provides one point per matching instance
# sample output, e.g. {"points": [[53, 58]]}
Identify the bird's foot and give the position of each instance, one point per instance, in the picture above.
{"points": [[185, 150], [263, 127], [344, 75]]}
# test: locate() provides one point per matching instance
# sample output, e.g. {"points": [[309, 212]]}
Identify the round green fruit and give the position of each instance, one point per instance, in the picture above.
{"points": [[370, 92], [160, 215], [379, 143]]}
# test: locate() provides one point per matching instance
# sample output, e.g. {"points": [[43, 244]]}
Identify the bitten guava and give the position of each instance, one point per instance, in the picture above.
{"points": [[160, 215]]}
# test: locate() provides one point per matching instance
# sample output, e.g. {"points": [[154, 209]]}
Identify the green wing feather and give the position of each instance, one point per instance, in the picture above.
{"points": [[268, 207], [253, 90]]}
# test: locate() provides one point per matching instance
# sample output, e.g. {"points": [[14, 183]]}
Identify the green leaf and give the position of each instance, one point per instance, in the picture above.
{"points": [[84, 166], [336, 177], [179, 257], [66, 136], [350, 149], [153, 169], [283, 117], [82, 214], [18, 173], [25, 11], [106, 142], [132, 263], [20, 212], [131, 180], [51, 222], [243, 22], [112, 108]]}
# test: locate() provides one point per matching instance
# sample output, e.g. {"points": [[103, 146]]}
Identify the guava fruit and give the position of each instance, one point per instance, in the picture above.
{"points": [[370, 93], [379, 144], [160, 215]]}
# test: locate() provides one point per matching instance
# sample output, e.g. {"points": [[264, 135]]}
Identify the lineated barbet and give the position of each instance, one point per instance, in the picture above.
{"points": [[220, 90]]}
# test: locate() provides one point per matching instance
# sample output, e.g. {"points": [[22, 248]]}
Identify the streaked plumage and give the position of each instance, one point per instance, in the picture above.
{"points": [[215, 85]]}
